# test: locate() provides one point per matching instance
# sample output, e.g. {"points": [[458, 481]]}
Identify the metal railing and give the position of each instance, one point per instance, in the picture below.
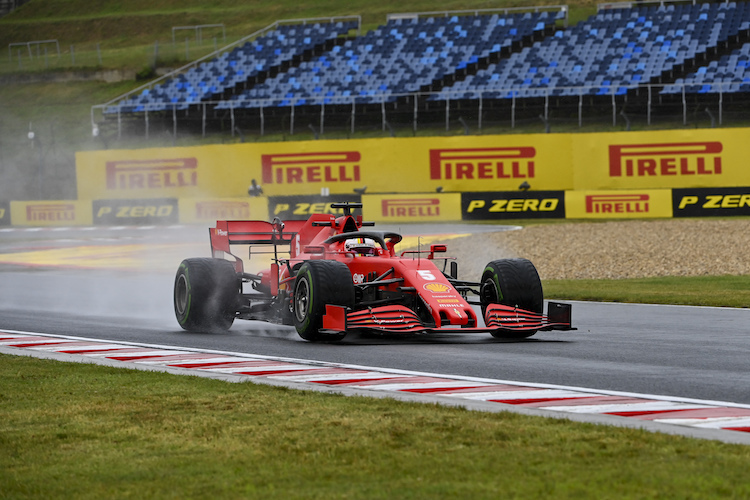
{"points": [[648, 3], [34, 43], [619, 102], [477, 12]]}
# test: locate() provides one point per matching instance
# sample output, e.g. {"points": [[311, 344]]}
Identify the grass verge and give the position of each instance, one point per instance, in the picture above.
{"points": [[85, 431], [719, 291]]}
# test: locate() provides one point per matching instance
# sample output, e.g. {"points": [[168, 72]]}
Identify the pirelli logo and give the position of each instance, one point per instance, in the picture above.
{"points": [[48, 212], [222, 210], [411, 207], [667, 159], [482, 163], [617, 204], [300, 168], [152, 174]]}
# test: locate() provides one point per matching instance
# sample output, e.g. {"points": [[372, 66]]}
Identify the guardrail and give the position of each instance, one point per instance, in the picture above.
{"points": [[476, 12]]}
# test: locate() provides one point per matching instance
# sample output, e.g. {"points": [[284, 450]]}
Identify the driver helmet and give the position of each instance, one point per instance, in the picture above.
{"points": [[361, 246]]}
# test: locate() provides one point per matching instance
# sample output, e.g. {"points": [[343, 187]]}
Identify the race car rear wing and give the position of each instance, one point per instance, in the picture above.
{"points": [[250, 232], [278, 232]]}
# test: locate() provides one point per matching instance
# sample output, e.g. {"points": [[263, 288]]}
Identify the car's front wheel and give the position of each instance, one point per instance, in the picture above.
{"points": [[515, 283], [320, 282]]}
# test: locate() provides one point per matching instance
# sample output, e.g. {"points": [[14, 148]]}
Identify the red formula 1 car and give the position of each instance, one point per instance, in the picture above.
{"points": [[329, 276]]}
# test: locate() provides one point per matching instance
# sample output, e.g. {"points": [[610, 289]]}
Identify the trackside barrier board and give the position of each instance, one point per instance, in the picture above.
{"points": [[412, 207], [694, 418], [636, 160], [387, 208], [646, 203], [51, 213], [392, 165]]}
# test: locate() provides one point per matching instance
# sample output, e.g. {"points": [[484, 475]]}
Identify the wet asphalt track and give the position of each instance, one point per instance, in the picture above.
{"points": [[690, 352]]}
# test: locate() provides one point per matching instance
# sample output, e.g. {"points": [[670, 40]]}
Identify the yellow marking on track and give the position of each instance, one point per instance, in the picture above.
{"points": [[164, 256]]}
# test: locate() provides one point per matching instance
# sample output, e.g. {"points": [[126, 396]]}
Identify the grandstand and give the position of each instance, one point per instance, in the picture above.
{"points": [[636, 58]]}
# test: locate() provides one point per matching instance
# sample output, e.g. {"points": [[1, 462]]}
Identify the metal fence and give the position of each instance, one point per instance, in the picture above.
{"points": [[642, 107]]}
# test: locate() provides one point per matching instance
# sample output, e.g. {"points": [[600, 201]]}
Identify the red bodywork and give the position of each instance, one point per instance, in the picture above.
{"points": [[441, 307]]}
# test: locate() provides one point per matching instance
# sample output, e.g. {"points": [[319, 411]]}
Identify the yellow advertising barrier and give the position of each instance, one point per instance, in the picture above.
{"points": [[537, 162], [209, 210], [191, 172], [482, 163], [646, 203], [412, 207], [51, 213], [663, 159]]}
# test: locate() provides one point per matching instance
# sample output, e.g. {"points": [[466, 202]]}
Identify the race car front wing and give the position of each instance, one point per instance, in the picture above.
{"points": [[401, 319]]}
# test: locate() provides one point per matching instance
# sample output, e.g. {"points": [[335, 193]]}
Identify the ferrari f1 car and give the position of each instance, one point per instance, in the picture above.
{"points": [[331, 275]]}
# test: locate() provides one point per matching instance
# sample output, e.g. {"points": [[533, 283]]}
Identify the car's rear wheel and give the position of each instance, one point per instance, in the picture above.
{"points": [[206, 293], [515, 283], [320, 282]]}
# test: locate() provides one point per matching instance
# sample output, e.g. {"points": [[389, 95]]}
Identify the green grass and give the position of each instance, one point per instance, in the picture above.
{"points": [[719, 291], [84, 431]]}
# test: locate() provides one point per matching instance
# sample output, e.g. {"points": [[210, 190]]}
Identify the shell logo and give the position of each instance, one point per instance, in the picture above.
{"points": [[436, 287]]}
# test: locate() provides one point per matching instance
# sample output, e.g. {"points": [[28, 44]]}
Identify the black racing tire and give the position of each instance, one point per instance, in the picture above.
{"points": [[317, 283], [515, 283], [206, 294]]}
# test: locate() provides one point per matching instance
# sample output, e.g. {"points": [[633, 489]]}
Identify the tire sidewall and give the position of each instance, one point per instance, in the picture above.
{"points": [[489, 278], [304, 274], [183, 279]]}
